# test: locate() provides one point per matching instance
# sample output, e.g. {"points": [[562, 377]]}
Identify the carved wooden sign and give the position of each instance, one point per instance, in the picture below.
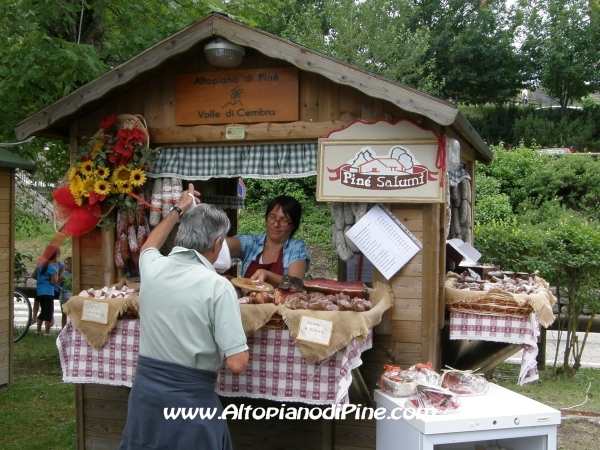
{"points": [[237, 96], [396, 167]]}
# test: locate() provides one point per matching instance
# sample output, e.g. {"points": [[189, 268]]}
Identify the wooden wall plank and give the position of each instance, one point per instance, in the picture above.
{"points": [[392, 353], [430, 345], [412, 218], [356, 434], [407, 287], [371, 108], [407, 309], [7, 271], [98, 443], [329, 100], [309, 96], [350, 104], [100, 409], [104, 428], [402, 331]]}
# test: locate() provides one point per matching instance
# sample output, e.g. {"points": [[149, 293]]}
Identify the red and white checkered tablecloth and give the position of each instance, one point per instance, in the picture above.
{"points": [[512, 330], [112, 364], [276, 370]]}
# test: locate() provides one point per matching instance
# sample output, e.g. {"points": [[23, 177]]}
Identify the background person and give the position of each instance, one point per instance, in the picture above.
{"points": [[60, 266], [189, 319], [46, 277], [274, 253]]}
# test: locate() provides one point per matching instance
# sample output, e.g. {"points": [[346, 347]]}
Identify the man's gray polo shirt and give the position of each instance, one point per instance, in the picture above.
{"points": [[189, 314]]}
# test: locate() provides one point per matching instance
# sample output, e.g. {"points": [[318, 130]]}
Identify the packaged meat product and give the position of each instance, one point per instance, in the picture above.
{"points": [[394, 382], [464, 383], [424, 374], [433, 400]]}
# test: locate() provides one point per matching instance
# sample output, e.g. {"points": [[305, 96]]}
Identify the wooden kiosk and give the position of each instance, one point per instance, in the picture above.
{"points": [[323, 95], [8, 164]]}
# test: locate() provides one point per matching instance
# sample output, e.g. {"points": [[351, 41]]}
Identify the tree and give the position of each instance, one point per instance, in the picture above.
{"points": [[562, 43], [51, 47], [374, 35], [471, 45]]}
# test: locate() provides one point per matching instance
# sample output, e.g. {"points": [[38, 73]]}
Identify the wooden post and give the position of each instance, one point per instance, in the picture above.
{"points": [[75, 241], [107, 255]]}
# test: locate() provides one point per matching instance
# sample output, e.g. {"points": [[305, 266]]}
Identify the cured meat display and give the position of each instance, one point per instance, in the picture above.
{"points": [[327, 286], [464, 383], [132, 230], [315, 301], [433, 399], [515, 283], [321, 295], [318, 301]]}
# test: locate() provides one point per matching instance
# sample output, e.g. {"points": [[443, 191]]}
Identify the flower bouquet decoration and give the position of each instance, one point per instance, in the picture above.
{"points": [[109, 172]]}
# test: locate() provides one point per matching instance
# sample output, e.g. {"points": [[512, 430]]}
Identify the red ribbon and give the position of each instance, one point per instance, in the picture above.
{"points": [[440, 157]]}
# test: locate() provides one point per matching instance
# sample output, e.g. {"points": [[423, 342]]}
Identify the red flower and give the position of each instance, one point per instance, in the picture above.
{"points": [[95, 198], [108, 122], [113, 157], [124, 148]]}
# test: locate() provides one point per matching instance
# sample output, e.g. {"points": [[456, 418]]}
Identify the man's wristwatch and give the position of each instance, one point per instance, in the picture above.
{"points": [[178, 209]]}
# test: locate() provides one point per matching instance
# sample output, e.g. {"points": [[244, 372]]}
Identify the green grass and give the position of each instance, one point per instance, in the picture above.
{"points": [[37, 411], [557, 391]]}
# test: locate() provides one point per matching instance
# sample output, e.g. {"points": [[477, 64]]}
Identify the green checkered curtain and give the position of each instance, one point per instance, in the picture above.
{"points": [[245, 161]]}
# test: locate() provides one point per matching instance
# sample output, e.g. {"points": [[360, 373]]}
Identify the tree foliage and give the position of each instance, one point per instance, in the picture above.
{"points": [[562, 42], [51, 47], [375, 35], [554, 227], [471, 45]]}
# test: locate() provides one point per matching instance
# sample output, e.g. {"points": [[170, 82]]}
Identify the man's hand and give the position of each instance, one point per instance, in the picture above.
{"points": [[189, 199], [159, 234]]}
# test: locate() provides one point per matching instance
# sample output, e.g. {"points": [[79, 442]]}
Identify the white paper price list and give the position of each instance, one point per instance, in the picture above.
{"points": [[383, 242]]}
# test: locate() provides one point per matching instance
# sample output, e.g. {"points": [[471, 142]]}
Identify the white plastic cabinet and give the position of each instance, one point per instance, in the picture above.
{"points": [[498, 419]]}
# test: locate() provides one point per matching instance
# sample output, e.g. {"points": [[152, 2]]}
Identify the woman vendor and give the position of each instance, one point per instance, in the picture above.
{"points": [[274, 253]]}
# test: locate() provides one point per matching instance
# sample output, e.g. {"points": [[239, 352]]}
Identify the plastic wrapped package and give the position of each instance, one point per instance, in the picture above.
{"points": [[424, 374], [395, 383], [464, 383], [433, 400]]}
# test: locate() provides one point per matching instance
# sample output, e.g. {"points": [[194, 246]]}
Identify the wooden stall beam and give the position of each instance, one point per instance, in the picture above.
{"points": [[430, 342], [253, 133], [75, 241]]}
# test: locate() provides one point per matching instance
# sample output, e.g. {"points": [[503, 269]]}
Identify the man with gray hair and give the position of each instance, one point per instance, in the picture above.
{"points": [[189, 320]]}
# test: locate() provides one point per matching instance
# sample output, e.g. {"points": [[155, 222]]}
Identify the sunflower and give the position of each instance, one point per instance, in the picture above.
{"points": [[102, 187], [124, 188], [102, 172], [88, 186], [138, 177], [87, 168], [75, 186], [121, 175], [73, 171], [78, 198]]}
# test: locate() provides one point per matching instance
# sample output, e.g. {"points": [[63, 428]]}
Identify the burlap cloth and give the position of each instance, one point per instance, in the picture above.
{"points": [[347, 325], [97, 333], [541, 302]]}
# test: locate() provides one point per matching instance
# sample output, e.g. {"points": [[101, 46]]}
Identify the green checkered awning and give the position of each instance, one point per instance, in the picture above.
{"points": [[245, 161]]}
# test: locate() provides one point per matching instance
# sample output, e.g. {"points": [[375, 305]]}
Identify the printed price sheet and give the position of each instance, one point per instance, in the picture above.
{"points": [[384, 240]]}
